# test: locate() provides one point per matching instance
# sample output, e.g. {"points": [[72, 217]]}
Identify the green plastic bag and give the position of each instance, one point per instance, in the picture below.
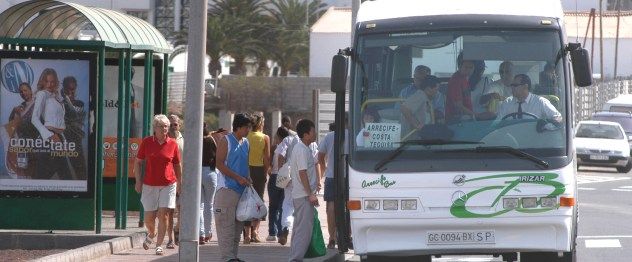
{"points": [[317, 244]]}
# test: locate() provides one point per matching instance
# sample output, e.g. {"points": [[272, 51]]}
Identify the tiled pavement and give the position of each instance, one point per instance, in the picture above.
{"points": [[266, 251]]}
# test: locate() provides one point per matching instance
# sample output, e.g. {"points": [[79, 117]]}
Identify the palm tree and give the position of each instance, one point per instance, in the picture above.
{"points": [[242, 16], [292, 36]]}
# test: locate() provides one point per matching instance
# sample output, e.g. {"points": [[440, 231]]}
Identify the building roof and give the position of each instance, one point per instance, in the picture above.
{"points": [[335, 20], [58, 20], [577, 22]]}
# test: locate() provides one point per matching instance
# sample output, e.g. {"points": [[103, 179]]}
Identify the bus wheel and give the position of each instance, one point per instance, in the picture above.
{"points": [[548, 256], [374, 258]]}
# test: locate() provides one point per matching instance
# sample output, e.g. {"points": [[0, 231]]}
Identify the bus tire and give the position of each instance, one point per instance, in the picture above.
{"points": [[548, 256], [375, 258]]}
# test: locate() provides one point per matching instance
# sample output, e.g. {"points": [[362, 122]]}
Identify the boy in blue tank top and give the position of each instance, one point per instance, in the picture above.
{"points": [[232, 180]]}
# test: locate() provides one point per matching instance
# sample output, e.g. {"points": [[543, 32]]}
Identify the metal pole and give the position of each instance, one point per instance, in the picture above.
{"points": [[616, 43], [194, 112], [355, 6], [119, 140], [165, 82], [99, 147], [601, 40], [125, 153], [592, 44]]}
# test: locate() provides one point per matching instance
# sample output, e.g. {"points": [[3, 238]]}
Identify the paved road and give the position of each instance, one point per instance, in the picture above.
{"points": [[605, 215]]}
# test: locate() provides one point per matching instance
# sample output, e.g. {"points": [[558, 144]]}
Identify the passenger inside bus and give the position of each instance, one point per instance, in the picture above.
{"points": [[369, 115], [418, 109], [458, 101]]}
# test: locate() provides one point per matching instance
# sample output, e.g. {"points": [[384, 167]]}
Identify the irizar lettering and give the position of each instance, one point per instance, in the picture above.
{"points": [[532, 179]]}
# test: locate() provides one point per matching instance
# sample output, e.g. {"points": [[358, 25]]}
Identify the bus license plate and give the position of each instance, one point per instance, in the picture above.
{"points": [[460, 237], [598, 157]]}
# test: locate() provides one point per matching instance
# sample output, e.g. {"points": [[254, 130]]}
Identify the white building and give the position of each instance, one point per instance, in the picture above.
{"points": [[333, 31], [330, 33]]}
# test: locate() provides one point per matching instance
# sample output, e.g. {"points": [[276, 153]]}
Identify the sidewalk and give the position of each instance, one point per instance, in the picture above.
{"points": [[265, 251]]}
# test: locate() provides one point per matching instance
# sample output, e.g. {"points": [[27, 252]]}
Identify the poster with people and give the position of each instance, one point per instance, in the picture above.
{"points": [[45, 115], [110, 131]]}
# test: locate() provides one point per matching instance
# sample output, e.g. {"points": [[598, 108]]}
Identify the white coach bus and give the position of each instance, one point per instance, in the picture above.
{"points": [[432, 168]]}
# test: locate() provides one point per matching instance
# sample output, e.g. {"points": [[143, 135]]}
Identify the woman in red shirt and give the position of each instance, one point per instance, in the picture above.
{"points": [[160, 182]]}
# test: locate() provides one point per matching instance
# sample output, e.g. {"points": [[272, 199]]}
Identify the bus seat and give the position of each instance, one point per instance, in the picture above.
{"points": [[554, 100]]}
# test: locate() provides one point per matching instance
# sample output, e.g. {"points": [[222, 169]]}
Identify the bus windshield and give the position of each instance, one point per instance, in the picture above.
{"points": [[446, 93]]}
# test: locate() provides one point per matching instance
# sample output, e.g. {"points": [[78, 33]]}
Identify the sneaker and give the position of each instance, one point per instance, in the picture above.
{"points": [[283, 236], [159, 251], [271, 239], [201, 241], [208, 237]]}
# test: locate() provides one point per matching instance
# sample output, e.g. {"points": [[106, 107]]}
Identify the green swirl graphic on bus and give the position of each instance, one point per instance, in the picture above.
{"points": [[459, 206]]}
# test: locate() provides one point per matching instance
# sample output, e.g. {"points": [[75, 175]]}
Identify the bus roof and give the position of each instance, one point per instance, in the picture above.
{"points": [[387, 9]]}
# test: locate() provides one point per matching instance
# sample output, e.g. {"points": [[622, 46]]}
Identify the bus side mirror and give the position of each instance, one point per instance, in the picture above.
{"points": [[581, 67], [339, 70]]}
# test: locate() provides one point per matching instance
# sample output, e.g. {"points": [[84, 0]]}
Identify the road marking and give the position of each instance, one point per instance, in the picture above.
{"points": [[602, 243], [586, 188], [622, 190], [584, 179], [626, 187], [622, 236]]}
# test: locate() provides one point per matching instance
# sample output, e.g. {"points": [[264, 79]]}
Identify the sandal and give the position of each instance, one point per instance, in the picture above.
{"points": [[159, 251], [147, 243], [170, 245]]}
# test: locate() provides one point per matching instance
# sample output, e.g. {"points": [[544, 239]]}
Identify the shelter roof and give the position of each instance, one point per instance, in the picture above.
{"points": [[59, 20]]}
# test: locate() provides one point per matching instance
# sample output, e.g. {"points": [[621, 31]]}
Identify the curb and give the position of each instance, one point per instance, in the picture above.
{"points": [[97, 250]]}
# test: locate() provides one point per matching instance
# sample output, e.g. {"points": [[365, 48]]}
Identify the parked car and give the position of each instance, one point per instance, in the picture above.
{"points": [[621, 103], [624, 119], [602, 143]]}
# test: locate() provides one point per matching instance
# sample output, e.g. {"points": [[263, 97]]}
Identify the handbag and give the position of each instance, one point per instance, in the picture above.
{"points": [[317, 244], [283, 176], [251, 206]]}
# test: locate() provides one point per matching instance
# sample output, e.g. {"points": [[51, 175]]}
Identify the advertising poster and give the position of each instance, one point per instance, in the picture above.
{"points": [[45, 116], [111, 114]]}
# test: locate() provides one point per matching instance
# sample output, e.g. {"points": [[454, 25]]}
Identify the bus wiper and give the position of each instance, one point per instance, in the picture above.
{"points": [[512, 151], [426, 142]]}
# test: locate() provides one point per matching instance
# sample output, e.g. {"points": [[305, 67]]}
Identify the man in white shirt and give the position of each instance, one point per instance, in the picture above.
{"points": [[523, 104], [284, 150], [305, 184]]}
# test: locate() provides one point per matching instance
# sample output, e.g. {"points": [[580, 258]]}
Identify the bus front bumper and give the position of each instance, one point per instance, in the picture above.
{"points": [[407, 237]]}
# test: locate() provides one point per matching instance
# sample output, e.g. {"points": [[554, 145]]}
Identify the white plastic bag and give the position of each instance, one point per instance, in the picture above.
{"points": [[250, 206], [283, 176]]}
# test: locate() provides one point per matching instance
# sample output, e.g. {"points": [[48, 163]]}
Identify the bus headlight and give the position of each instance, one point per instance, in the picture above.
{"points": [[372, 205], [529, 202], [549, 202], [391, 204], [510, 203], [409, 204]]}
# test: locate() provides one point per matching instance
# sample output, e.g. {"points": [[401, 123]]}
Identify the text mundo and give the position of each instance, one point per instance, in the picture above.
{"points": [[27, 144]]}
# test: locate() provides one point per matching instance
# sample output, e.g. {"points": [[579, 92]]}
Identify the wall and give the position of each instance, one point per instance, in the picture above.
{"points": [[624, 63], [582, 5], [322, 47]]}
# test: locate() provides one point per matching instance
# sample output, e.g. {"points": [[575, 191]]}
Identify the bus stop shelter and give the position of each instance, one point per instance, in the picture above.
{"points": [[58, 27]]}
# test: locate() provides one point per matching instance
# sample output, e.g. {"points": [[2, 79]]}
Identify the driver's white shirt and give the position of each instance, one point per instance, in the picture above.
{"points": [[534, 104]]}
